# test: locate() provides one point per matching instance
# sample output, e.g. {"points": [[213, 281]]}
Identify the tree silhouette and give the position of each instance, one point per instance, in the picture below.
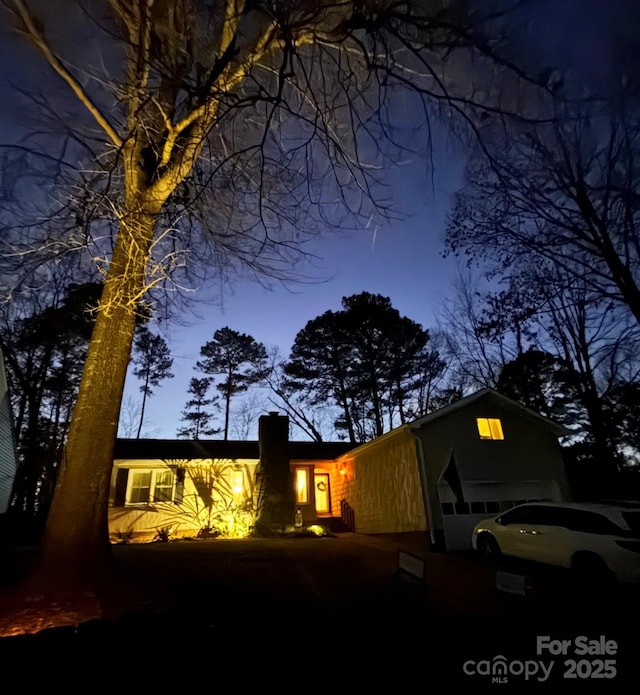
{"points": [[565, 192], [290, 399], [196, 413], [44, 339], [152, 364], [545, 383], [367, 358], [239, 358], [318, 366]]}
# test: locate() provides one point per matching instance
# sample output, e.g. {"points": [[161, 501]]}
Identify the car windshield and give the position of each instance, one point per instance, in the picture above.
{"points": [[633, 521]]}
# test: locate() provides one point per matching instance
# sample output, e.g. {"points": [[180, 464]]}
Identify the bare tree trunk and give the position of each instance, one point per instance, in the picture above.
{"points": [[377, 410], [74, 553], [144, 402], [227, 409], [344, 402]]}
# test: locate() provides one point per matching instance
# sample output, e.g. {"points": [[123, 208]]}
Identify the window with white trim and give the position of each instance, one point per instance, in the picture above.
{"points": [[154, 485]]}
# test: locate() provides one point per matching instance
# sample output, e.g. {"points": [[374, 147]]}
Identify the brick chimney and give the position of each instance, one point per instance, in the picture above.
{"points": [[276, 499]]}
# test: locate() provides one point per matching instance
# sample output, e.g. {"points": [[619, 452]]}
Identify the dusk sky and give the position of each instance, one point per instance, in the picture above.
{"points": [[402, 259]]}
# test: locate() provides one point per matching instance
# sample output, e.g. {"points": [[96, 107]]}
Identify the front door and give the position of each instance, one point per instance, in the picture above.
{"points": [[323, 501]]}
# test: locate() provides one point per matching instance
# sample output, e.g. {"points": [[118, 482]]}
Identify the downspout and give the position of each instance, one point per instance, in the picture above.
{"points": [[422, 468]]}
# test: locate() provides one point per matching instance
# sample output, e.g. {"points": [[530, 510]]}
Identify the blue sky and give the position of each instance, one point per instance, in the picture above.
{"points": [[403, 261]]}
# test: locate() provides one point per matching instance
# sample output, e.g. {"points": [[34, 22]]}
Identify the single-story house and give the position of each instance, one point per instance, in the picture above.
{"points": [[192, 487], [439, 474]]}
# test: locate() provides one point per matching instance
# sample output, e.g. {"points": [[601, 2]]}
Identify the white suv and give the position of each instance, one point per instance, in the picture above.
{"points": [[598, 541]]}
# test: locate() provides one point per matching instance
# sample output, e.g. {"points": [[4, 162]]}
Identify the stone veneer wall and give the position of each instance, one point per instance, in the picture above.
{"points": [[381, 482]]}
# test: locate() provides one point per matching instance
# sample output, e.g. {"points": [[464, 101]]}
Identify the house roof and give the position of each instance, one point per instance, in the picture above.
{"points": [[220, 449], [376, 441], [497, 397], [318, 450]]}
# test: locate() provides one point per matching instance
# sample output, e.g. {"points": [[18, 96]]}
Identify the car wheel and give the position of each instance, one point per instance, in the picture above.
{"points": [[488, 547], [591, 570]]}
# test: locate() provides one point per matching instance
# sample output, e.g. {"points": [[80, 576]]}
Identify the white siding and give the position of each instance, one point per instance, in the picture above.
{"points": [[196, 510]]}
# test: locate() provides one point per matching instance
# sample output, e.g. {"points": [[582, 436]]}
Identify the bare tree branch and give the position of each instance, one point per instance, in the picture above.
{"points": [[35, 34]]}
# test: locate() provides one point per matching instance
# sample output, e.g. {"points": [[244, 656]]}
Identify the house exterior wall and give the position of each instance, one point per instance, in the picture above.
{"points": [[381, 482], [142, 521], [526, 464], [339, 484], [529, 450], [204, 499]]}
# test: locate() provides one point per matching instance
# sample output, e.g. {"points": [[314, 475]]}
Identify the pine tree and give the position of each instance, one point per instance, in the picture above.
{"points": [[240, 358], [196, 413], [367, 359], [152, 364]]}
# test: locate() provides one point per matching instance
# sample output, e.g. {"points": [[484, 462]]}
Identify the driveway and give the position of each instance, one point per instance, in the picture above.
{"points": [[342, 601]]}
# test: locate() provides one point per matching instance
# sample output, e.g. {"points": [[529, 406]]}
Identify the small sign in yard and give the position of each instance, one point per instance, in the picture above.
{"points": [[410, 567], [512, 583]]}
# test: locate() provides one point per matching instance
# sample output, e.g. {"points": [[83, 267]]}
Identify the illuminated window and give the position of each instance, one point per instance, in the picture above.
{"points": [[489, 428], [139, 487], [302, 485], [237, 483], [150, 486], [163, 486]]}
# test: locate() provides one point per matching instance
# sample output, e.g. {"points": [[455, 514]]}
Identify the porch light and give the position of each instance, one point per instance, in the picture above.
{"points": [[237, 481]]}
